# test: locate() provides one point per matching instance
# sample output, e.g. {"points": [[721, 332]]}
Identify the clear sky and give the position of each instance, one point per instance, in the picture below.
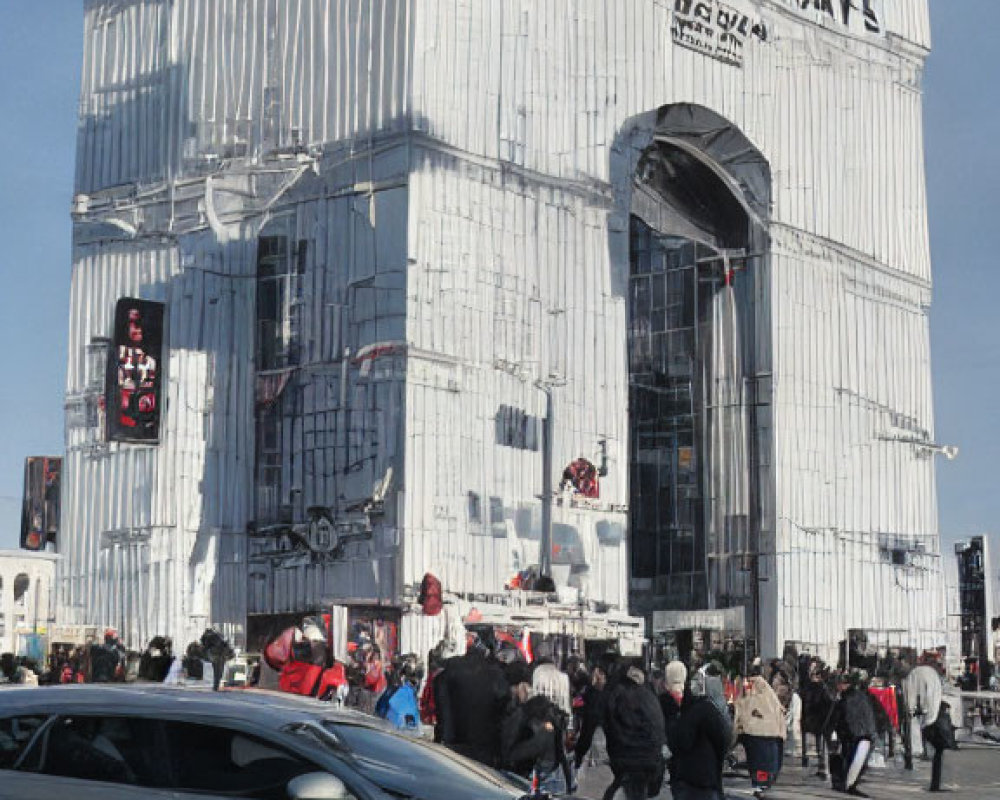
{"points": [[962, 141], [40, 56], [40, 53]]}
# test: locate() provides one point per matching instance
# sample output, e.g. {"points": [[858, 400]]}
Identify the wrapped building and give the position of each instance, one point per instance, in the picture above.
{"points": [[633, 294]]}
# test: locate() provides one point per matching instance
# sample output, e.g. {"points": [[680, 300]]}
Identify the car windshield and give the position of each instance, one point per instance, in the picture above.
{"points": [[411, 768]]}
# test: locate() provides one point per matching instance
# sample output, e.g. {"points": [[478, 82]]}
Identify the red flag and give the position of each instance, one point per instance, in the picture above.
{"points": [[525, 646]]}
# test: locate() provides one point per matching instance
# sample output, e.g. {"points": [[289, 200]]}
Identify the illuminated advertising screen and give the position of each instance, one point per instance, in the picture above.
{"points": [[135, 372], [40, 516]]}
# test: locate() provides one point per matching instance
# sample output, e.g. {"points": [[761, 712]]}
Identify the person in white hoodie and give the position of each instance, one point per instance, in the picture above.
{"points": [[760, 723], [925, 698], [923, 691]]}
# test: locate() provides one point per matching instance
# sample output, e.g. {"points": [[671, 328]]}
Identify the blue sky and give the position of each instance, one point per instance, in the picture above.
{"points": [[962, 132], [40, 54]]}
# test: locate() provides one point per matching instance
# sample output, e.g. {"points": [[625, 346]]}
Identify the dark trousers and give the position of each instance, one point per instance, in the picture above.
{"points": [[936, 764], [684, 791], [765, 755], [635, 782], [851, 753]]}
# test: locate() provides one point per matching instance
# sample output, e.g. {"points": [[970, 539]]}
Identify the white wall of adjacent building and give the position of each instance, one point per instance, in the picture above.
{"points": [[26, 596]]}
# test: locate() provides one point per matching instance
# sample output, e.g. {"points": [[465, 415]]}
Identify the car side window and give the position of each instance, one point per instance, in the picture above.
{"points": [[211, 759], [16, 734], [125, 750]]}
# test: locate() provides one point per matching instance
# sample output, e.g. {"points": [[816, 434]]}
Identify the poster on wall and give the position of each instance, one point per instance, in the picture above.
{"points": [[715, 29], [40, 514], [372, 630], [135, 372]]}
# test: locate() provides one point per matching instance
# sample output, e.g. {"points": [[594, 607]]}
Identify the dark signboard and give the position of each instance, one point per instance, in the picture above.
{"points": [[40, 515], [973, 572], [135, 372]]}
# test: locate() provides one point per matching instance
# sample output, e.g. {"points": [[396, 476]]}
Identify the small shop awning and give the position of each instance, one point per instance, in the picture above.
{"points": [[727, 620]]}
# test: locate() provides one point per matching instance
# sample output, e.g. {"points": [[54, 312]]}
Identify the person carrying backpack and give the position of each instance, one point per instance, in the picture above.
{"points": [[532, 740], [940, 735]]}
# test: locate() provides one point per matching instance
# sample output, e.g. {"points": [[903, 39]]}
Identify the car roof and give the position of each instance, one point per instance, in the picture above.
{"points": [[259, 707]]}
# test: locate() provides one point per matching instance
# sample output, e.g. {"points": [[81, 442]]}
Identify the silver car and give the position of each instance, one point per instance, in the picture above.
{"points": [[151, 741]]}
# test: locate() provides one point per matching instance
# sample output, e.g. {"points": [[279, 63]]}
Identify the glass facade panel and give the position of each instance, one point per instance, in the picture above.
{"points": [[278, 291], [667, 493]]}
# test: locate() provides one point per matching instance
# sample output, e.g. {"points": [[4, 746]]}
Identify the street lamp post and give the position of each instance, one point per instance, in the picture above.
{"points": [[545, 558]]}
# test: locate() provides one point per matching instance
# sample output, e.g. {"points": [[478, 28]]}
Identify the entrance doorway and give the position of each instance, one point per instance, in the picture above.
{"points": [[698, 343]]}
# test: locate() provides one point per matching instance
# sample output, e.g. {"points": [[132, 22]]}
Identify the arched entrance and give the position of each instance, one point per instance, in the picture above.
{"points": [[699, 355]]}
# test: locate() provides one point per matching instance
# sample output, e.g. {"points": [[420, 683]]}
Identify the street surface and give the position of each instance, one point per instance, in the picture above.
{"points": [[971, 773]]}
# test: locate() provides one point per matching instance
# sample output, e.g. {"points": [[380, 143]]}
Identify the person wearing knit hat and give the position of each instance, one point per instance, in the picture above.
{"points": [[676, 677], [698, 735], [674, 684]]}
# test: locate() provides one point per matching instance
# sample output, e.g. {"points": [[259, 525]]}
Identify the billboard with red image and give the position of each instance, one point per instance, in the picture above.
{"points": [[135, 372]]}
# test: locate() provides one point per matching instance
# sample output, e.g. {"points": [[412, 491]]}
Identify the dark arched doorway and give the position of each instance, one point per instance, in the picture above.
{"points": [[698, 336]]}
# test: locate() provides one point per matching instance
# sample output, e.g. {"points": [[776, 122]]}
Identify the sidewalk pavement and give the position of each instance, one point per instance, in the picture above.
{"points": [[972, 773]]}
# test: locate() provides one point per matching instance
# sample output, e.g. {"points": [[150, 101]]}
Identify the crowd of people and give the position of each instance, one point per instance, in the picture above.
{"points": [[515, 708], [103, 662], [686, 726], [108, 661]]}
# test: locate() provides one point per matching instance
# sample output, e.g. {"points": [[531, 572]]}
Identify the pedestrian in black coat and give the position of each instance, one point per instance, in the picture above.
{"points": [[634, 729], [154, 665], [818, 701], [470, 697], [854, 722], [592, 713], [699, 733], [941, 736], [698, 738]]}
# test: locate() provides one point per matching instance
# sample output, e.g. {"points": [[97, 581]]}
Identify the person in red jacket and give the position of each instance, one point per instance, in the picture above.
{"points": [[331, 681], [300, 677], [375, 680], [302, 671], [428, 707], [320, 676]]}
